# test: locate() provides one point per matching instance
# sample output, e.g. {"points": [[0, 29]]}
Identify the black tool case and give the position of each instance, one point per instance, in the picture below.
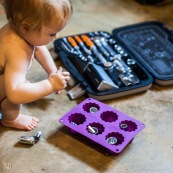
{"points": [[125, 62]]}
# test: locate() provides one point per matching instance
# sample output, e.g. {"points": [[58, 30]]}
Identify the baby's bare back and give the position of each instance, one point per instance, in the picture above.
{"points": [[13, 47]]}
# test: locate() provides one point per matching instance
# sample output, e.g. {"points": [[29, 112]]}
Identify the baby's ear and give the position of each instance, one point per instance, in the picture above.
{"points": [[24, 28]]}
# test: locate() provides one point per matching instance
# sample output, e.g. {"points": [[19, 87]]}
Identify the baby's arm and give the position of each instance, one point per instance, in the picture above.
{"points": [[44, 57], [18, 91]]}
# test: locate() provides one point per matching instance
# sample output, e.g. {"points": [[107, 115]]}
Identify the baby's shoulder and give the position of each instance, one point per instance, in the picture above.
{"points": [[11, 44], [10, 41]]}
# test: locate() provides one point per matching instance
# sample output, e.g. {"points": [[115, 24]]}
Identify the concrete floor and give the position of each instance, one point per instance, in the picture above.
{"points": [[59, 151]]}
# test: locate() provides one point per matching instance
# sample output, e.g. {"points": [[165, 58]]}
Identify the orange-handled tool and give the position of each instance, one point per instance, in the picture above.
{"points": [[90, 44], [72, 42], [78, 39], [87, 40], [81, 43]]}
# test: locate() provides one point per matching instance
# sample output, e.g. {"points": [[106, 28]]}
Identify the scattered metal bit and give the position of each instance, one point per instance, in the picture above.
{"points": [[31, 140], [112, 140], [96, 130], [93, 109], [73, 123], [123, 126], [27, 140], [93, 130], [37, 136]]}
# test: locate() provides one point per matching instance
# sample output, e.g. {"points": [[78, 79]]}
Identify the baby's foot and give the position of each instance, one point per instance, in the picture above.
{"points": [[23, 122]]}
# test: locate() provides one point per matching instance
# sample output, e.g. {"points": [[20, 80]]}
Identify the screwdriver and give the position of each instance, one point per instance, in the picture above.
{"points": [[90, 44], [78, 39], [72, 41]]}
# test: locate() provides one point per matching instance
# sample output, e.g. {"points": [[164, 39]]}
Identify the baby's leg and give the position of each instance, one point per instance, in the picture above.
{"points": [[11, 116]]}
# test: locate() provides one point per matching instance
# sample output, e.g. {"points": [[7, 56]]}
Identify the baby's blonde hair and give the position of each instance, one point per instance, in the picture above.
{"points": [[37, 13]]}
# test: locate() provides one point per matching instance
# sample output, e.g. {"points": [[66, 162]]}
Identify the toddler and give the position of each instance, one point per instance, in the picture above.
{"points": [[31, 25]]}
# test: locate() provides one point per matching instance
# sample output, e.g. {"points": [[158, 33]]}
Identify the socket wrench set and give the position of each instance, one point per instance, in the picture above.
{"points": [[102, 124], [107, 65]]}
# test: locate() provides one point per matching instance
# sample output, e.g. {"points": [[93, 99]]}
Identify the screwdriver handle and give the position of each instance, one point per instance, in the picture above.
{"points": [[78, 39], [72, 41], [87, 40]]}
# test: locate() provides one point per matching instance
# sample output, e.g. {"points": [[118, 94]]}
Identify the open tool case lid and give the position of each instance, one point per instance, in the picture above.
{"points": [[152, 44], [146, 53]]}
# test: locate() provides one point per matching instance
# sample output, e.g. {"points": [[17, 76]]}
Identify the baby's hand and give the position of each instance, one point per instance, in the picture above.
{"points": [[59, 79]]}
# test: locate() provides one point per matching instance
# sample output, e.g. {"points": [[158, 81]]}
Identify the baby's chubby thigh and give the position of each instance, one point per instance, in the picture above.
{"points": [[2, 88]]}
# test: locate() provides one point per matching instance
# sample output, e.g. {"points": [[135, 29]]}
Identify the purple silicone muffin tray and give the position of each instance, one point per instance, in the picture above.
{"points": [[102, 124]]}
